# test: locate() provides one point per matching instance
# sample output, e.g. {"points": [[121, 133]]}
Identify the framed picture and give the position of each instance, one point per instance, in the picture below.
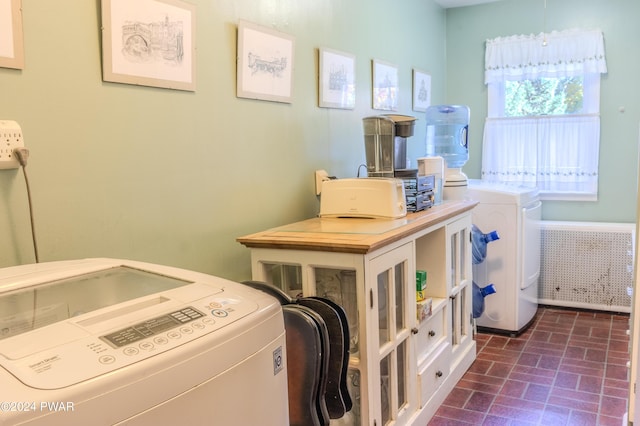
{"points": [[265, 63], [421, 90], [385, 86], [336, 79], [149, 43], [11, 43]]}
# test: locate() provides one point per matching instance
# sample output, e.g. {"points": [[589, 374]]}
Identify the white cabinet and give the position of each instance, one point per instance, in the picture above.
{"points": [[400, 368]]}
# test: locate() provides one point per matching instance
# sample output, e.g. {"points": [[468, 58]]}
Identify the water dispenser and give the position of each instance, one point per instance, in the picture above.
{"points": [[447, 137]]}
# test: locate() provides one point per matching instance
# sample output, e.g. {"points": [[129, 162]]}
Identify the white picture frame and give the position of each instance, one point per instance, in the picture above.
{"points": [[11, 38], [264, 63], [336, 79], [149, 43], [421, 90], [385, 85]]}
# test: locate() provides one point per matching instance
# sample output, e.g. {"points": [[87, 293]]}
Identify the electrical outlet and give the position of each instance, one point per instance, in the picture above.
{"points": [[10, 139]]}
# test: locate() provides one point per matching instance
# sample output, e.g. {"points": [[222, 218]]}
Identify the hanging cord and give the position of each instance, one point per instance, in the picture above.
{"points": [[23, 154]]}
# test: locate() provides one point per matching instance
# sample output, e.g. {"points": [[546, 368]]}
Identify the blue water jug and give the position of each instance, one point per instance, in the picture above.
{"points": [[478, 298], [479, 241]]}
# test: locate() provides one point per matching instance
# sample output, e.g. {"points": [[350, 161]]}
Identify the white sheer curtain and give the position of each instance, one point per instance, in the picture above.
{"points": [[559, 154]]}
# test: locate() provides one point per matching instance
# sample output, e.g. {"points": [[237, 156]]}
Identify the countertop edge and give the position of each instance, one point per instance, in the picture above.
{"points": [[355, 243]]}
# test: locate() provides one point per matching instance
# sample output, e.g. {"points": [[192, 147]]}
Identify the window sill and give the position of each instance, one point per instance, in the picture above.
{"points": [[567, 196]]}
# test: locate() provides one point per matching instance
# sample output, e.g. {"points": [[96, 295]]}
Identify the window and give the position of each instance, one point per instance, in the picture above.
{"points": [[543, 124], [544, 96]]}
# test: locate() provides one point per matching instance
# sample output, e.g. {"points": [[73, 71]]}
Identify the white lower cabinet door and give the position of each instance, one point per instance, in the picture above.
{"points": [[392, 303]]}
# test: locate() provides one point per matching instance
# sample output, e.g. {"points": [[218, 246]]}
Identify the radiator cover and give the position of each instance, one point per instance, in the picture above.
{"points": [[587, 265]]}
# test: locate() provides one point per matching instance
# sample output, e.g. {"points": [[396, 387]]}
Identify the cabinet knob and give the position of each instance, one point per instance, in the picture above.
{"points": [[414, 330], [432, 333], [438, 373]]}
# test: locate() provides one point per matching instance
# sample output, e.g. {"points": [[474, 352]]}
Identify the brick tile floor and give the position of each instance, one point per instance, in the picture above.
{"points": [[567, 368]]}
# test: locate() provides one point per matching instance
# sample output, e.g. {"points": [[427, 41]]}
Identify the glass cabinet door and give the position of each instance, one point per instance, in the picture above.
{"points": [[460, 281], [391, 304], [459, 240], [287, 277], [340, 286]]}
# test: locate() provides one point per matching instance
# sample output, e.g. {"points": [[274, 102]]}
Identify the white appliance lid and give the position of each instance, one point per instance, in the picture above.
{"points": [[501, 193], [33, 307]]}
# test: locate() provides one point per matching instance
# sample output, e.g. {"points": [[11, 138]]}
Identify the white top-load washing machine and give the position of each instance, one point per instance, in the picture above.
{"points": [[512, 264], [105, 341]]}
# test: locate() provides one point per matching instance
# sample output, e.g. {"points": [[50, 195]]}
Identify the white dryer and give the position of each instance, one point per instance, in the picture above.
{"points": [[104, 342], [512, 264]]}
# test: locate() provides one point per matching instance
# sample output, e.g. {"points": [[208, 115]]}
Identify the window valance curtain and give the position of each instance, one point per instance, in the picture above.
{"points": [[566, 53]]}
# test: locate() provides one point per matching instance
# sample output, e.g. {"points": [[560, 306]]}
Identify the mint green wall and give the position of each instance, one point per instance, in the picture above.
{"points": [[174, 177], [469, 27]]}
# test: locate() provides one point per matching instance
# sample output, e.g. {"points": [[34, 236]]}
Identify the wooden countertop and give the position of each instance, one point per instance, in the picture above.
{"points": [[352, 235]]}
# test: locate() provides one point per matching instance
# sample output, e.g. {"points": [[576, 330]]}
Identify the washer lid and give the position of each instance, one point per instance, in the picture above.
{"points": [[66, 323], [501, 193], [32, 307]]}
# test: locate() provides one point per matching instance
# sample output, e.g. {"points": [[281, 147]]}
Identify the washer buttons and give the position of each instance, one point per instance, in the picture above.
{"points": [[147, 346], [174, 334], [130, 351], [107, 359], [161, 340]]}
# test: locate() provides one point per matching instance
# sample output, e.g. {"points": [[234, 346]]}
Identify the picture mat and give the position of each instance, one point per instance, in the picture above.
{"points": [[144, 64], [265, 63], [385, 86], [11, 38], [337, 87], [421, 90]]}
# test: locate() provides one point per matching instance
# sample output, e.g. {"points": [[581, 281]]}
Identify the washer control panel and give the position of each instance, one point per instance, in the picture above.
{"points": [[100, 353], [152, 327]]}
